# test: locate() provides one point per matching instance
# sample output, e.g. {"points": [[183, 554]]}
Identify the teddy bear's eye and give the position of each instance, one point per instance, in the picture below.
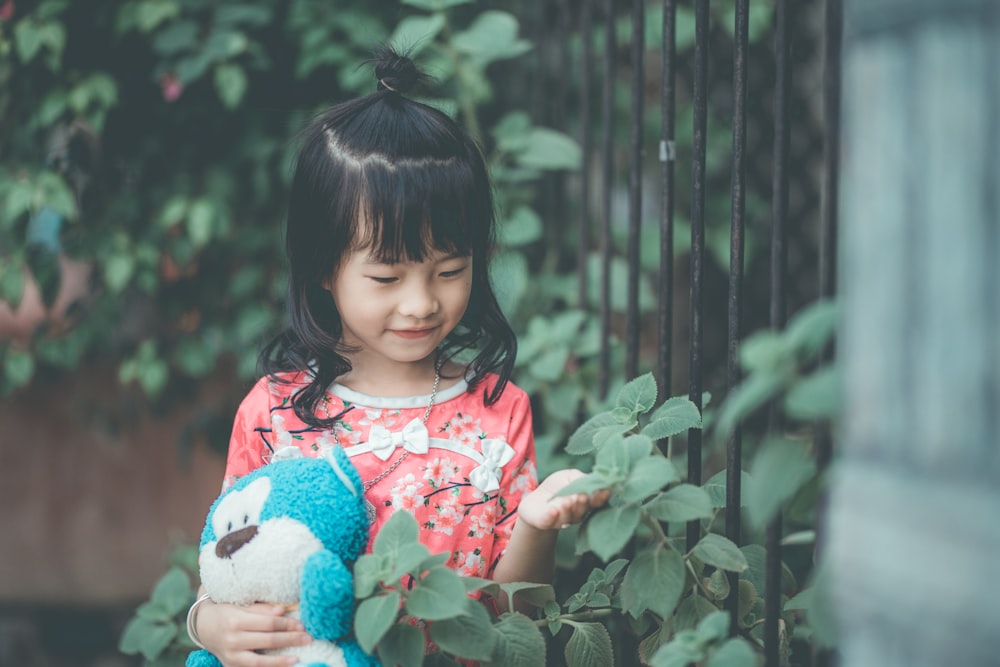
{"points": [[246, 519], [229, 527]]}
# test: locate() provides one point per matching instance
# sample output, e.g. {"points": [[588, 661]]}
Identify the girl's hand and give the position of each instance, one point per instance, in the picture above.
{"points": [[234, 634], [540, 510]]}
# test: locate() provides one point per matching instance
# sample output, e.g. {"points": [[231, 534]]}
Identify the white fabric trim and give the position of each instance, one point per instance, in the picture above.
{"points": [[485, 477]]}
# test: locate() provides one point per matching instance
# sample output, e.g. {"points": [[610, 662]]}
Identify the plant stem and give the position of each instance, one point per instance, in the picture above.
{"points": [[589, 615]]}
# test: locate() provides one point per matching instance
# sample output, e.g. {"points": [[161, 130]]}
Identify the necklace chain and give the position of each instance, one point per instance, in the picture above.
{"points": [[402, 457], [427, 413]]}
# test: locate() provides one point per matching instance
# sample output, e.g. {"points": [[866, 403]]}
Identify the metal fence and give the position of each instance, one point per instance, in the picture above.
{"points": [[599, 64]]}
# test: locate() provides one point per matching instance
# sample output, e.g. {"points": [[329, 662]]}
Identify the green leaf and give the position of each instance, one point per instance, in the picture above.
{"points": [[469, 635], [18, 367], [638, 395], [812, 328], [491, 36], [230, 84], [519, 642], [521, 227], [780, 468], [11, 283], [549, 150], [173, 591], [654, 580], [685, 649], [682, 503], [118, 270], [716, 488], [718, 585], [765, 350], [413, 558], [611, 528], [414, 33], [756, 390], [582, 440], [368, 572], [720, 552], [690, 611], [816, 396], [401, 529], [589, 646], [373, 618], [587, 484], [509, 275], [676, 415], [533, 593], [735, 652], [714, 626], [550, 365], [613, 458], [437, 595], [402, 645], [647, 477], [435, 5]]}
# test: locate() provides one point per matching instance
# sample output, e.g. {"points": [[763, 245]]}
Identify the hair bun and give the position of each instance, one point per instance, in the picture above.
{"points": [[395, 72]]}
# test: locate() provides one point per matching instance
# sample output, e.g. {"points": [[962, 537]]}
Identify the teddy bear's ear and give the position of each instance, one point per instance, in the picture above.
{"points": [[341, 463]]}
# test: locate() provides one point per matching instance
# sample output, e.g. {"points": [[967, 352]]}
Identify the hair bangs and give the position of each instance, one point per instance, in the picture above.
{"points": [[411, 208]]}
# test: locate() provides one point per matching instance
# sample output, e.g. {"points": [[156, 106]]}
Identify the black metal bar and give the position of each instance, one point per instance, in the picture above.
{"points": [[734, 448], [831, 167], [587, 148], [668, 115], [779, 260], [635, 191], [833, 39], [603, 379], [699, 151]]}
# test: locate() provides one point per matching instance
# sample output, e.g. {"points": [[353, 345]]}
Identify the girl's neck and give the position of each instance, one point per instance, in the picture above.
{"points": [[393, 380]]}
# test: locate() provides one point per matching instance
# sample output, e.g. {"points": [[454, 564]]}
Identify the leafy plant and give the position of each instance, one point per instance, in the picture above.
{"points": [[158, 630]]}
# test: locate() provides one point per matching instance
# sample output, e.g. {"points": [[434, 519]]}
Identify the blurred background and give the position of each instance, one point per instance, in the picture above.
{"points": [[145, 151]]}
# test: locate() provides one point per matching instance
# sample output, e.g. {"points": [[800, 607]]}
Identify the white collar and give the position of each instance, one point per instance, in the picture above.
{"points": [[397, 402]]}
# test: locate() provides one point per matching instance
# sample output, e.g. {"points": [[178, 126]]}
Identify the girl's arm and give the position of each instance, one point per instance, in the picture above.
{"points": [[531, 551], [233, 634]]}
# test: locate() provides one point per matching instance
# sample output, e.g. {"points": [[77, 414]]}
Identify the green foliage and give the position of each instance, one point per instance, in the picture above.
{"points": [[158, 630]]}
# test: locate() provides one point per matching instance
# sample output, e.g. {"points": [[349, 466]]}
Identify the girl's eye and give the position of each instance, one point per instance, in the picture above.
{"points": [[383, 280], [452, 273]]}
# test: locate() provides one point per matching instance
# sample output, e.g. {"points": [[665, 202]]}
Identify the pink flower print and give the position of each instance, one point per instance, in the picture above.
{"points": [[375, 416], [439, 471], [482, 523], [470, 564], [465, 430], [406, 494], [447, 517], [171, 87], [527, 478]]}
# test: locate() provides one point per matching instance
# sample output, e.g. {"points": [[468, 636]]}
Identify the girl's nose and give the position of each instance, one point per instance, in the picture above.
{"points": [[418, 302]]}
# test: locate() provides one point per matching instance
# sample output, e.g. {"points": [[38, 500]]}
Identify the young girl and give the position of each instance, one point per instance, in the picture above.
{"points": [[389, 231]]}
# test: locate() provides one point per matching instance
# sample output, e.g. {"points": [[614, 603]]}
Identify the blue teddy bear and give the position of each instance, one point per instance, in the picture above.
{"points": [[288, 533]]}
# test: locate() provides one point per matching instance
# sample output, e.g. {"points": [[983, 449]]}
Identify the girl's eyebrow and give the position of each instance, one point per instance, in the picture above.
{"points": [[458, 254]]}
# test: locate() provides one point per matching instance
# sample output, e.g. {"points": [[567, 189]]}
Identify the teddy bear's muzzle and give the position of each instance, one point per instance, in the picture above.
{"points": [[234, 541]]}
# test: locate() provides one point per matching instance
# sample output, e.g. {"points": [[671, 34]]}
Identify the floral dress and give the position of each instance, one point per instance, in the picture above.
{"points": [[463, 475]]}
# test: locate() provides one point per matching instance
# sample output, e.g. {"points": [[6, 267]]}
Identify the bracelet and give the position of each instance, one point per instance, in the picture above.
{"points": [[192, 617]]}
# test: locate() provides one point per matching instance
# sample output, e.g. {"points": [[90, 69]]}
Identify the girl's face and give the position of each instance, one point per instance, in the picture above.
{"points": [[399, 313]]}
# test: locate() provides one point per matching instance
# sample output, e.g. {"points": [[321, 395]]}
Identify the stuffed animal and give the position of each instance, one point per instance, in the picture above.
{"points": [[289, 533]]}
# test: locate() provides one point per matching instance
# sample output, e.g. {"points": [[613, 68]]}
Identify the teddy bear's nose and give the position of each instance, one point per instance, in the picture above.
{"points": [[234, 541]]}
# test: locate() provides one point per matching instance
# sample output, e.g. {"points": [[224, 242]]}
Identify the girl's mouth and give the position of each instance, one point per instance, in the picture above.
{"points": [[413, 333]]}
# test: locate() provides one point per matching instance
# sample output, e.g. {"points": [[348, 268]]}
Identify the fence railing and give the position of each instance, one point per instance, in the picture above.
{"points": [[599, 25]]}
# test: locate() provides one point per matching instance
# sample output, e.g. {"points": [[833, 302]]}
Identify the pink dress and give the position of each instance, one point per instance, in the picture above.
{"points": [[463, 475]]}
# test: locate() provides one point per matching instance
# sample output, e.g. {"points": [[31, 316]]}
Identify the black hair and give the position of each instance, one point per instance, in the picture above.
{"points": [[385, 172]]}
